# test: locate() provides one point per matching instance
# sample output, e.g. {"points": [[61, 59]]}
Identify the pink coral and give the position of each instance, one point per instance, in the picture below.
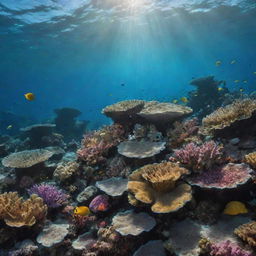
{"points": [[95, 145], [197, 157], [227, 176], [227, 248]]}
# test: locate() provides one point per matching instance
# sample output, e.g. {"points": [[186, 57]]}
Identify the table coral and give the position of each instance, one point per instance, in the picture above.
{"points": [[26, 158], [247, 232], [17, 212], [226, 116], [198, 157], [156, 184], [95, 145], [224, 177]]}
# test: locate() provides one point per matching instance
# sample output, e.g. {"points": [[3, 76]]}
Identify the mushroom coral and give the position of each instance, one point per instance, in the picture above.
{"points": [[156, 184], [226, 116], [17, 212]]}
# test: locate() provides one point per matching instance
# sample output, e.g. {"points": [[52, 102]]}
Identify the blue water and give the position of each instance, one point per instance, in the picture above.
{"points": [[87, 54]]}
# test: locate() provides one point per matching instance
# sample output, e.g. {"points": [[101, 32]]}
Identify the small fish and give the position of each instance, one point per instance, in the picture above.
{"points": [[254, 73], [217, 63], [220, 89], [241, 89], [184, 99], [29, 96], [82, 211], [245, 81], [9, 127], [233, 62], [175, 101], [122, 84], [110, 94], [236, 81]]}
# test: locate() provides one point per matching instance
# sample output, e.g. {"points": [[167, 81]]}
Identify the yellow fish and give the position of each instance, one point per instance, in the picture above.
{"points": [[220, 89], [29, 96], [235, 208], [233, 62], [175, 101], [82, 211], [241, 89], [217, 63], [9, 127], [236, 81], [184, 99]]}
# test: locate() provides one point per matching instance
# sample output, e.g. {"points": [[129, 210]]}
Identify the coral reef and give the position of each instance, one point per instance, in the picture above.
{"points": [[156, 184], [225, 177], [247, 232], [226, 116], [26, 158], [151, 248], [182, 132], [17, 213], [131, 223], [51, 195], [65, 170], [95, 145], [198, 158], [140, 149]]}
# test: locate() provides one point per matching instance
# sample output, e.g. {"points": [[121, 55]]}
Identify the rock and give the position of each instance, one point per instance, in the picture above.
{"points": [[86, 194]]}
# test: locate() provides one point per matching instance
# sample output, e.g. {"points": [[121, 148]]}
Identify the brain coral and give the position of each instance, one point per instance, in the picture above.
{"points": [[247, 232], [225, 177], [156, 184], [26, 158], [17, 213], [226, 116]]}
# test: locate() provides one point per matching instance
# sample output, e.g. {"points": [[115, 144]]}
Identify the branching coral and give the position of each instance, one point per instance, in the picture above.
{"points": [[65, 170], [17, 213], [247, 232], [156, 184], [51, 195], [95, 145], [226, 116], [198, 158], [227, 248], [182, 132]]}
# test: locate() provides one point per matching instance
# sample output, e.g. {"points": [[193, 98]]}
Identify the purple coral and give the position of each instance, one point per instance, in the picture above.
{"points": [[51, 195], [198, 157], [99, 203], [227, 248], [227, 176]]}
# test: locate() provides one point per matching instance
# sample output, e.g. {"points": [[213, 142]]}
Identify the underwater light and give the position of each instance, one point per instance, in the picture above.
{"points": [[134, 4]]}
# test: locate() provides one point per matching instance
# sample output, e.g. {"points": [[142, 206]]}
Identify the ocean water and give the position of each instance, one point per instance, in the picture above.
{"points": [[89, 54]]}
